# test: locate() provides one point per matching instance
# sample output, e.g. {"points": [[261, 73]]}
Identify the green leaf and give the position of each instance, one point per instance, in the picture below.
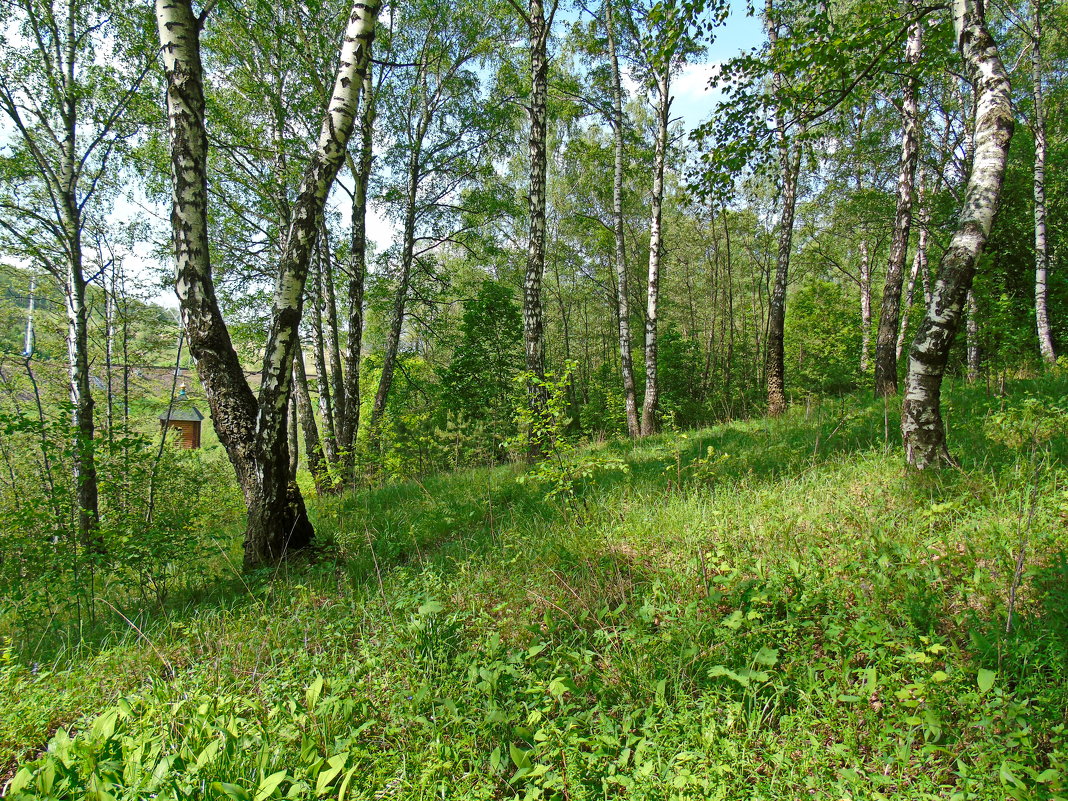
{"points": [[767, 656], [269, 785], [520, 757], [985, 680], [20, 782], [344, 789], [430, 608], [208, 754], [234, 791], [312, 695], [322, 784]]}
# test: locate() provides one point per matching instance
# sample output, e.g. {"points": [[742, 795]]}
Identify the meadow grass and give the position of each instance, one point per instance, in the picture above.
{"points": [[765, 609]]}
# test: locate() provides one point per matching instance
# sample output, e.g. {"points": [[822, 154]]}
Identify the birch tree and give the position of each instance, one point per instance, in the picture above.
{"points": [[538, 23], [1038, 124], [68, 117], [251, 428], [626, 344], [886, 339], [442, 127], [922, 427], [668, 33], [789, 171]]}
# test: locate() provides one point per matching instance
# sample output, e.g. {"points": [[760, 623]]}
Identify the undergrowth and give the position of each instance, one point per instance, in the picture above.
{"points": [[762, 610]]}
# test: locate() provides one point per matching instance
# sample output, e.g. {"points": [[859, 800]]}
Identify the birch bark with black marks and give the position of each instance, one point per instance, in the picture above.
{"points": [[865, 306], [972, 336], [889, 318], [1038, 123], [790, 167], [324, 387], [81, 396], [361, 170], [919, 267], [294, 438], [59, 126], [332, 340], [313, 449], [651, 402], [253, 430], [922, 428], [538, 26], [630, 395]]}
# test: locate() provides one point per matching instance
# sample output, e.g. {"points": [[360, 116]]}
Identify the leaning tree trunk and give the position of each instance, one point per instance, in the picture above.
{"points": [[630, 395], [790, 163], [1045, 337], [252, 430], [886, 341], [533, 324], [922, 428]]}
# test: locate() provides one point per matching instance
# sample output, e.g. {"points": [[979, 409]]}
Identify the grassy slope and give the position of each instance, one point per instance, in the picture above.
{"points": [[789, 614]]}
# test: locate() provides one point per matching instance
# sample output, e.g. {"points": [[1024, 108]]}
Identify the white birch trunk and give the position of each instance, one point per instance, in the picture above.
{"points": [[922, 428], [630, 398], [1045, 337], [650, 405], [533, 313], [889, 318], [253, 432], [865, 307]]}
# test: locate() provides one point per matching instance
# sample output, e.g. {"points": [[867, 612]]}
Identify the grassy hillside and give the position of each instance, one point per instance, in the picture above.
{"points": [[768, 609]]}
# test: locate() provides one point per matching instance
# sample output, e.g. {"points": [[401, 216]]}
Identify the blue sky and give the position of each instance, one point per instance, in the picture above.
{"points": [[693, 101]]}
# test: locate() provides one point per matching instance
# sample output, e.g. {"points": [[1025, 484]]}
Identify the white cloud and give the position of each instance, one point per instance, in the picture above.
{"points": [[694, 101]]}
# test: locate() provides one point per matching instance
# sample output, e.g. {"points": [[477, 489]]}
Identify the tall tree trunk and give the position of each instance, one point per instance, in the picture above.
{"points": [[70, 216], [110, 299], [922, 428], [81, 397], [533, 324], [865, 306], [400, 300], [294, 438], [972, 336], [790, 164], [325, 387], [729, 364], [252, 430], [919, 269], [889, 318], [650, 406], [361, 170], [1045, 337], [313, 448], [626, 348], [775, 369], [332, 339]]}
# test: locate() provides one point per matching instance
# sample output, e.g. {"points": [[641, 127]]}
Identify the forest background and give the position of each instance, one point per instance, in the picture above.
{"points": [[561, 254]]}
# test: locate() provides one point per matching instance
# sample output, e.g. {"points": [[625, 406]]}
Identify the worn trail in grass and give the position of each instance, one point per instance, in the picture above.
{"points": [[768, 609]]}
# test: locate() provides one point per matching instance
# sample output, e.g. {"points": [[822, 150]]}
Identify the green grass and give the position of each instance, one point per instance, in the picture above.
{"points": [[763, 610]]}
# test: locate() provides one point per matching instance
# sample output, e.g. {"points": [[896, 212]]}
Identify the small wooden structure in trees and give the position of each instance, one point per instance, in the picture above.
{"points": [[185, 420]]}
